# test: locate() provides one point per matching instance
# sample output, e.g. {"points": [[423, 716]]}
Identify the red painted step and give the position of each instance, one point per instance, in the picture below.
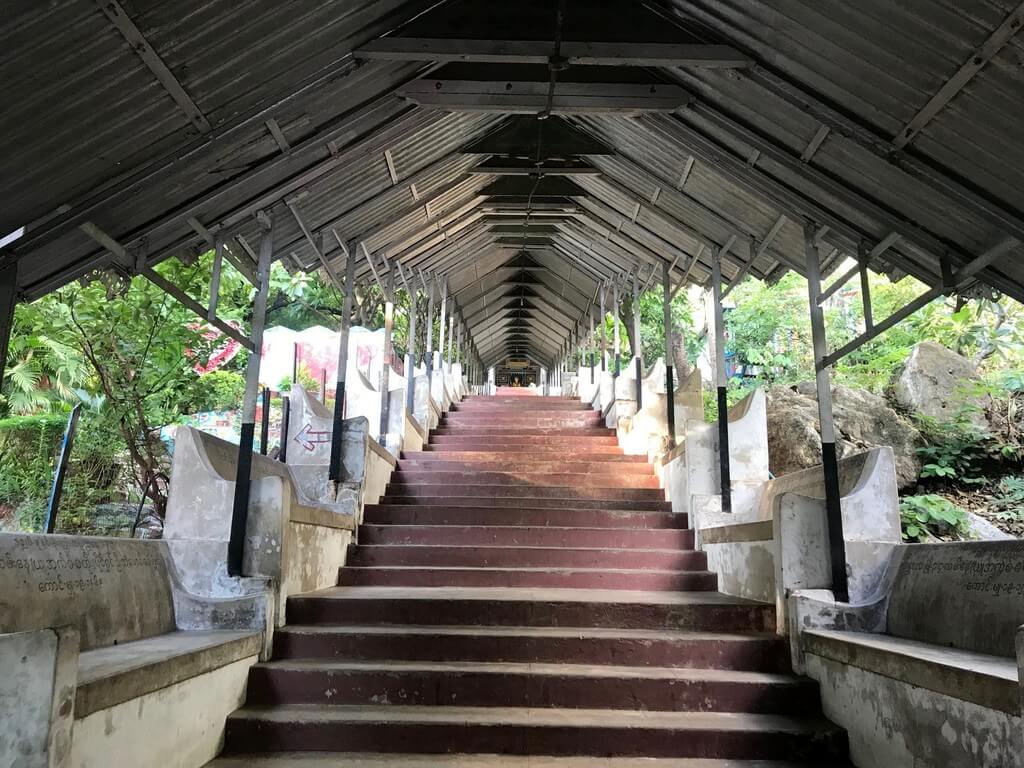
{"points": [[503, 536], [591, 480], [364, 556], [582, 502], [694, 611], [530, 578], [613, 454], [446, 514], [567, 645], [526, 466], [497, 684], [501, 491], [512, 731]]}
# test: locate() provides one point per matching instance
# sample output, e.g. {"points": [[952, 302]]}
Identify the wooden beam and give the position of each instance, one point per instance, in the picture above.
{"points": [[137, 42], [606, 54]]}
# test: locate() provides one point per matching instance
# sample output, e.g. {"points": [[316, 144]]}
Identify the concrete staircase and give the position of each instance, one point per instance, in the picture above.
{"points": [[522, 596]]}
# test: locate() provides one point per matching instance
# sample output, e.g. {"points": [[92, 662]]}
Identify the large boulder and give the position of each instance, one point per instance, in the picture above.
{"points": [[863, 421], [938, 383]]}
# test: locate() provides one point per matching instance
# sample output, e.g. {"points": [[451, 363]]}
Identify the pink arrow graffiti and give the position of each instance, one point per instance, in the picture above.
{"points": [[309, 438]]}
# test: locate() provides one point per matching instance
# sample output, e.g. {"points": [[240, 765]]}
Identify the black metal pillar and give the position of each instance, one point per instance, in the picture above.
{"points": [[265, 420], [829, 459], [240, 508], [335, 470], [62, 469], [440, 331], [410, 352], [389, 356], [428, 355], [8, 299], [637, 353], [670, 389], [721, 382], [286, 421], [617, 343]]}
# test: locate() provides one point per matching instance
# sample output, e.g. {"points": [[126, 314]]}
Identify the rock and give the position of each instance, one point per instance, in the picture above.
{"points": [[863, 421], [939, 383]]}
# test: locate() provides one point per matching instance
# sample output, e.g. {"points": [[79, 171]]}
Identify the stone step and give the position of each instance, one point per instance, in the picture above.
{"points": [[503, 730], [495, 491], [420, 514], [694, 611], [613, 455], [380, 760], [526, 536], [528, 479], [478, 407], [540, 578], [534, 421], [367, 556], [502, 684], [516, 429], [597, 449], [582, 502], [765, 652], [526, 466]]}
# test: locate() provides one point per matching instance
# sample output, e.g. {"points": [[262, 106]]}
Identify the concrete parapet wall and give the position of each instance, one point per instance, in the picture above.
{"points": [[95, 633], [929, 672], [198, 523]]}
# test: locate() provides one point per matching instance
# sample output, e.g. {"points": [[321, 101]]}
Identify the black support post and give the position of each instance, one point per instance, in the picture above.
{"points": [[240, 507], [286, 420], [829, 458], [670, 389], [8, 297], [265, 421], [389, 355], [334, 473], [721, 383], [636, 340], [62, 468]]}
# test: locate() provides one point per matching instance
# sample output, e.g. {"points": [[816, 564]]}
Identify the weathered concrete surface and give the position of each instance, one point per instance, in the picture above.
{"points": [[415, 436], [871, 525], [110, 590], [700, 473], [585, 389], [988, 681], [180, 726], [744, 568], [967, 595], [111, 676], [896, 725], [863, 421], [112, 599], [379, 466], [645, 432], [37, 697], [310, 427], [292, 543], [937, 382]]}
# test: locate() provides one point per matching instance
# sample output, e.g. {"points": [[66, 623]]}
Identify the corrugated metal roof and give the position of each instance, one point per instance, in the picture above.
{"points": [[813, 131]]}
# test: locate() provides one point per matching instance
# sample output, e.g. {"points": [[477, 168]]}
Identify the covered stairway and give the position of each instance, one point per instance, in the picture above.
{"points": [[523, 169]]}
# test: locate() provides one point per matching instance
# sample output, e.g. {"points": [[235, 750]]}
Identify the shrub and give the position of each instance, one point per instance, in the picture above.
{"points": [[217, 391], [931, 515]]}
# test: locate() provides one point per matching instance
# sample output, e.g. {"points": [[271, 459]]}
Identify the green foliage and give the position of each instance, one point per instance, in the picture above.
{"points": [[216, 391], [306, 380], [29, 447], [769, 328], [1007, 503], [931, 515]]}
